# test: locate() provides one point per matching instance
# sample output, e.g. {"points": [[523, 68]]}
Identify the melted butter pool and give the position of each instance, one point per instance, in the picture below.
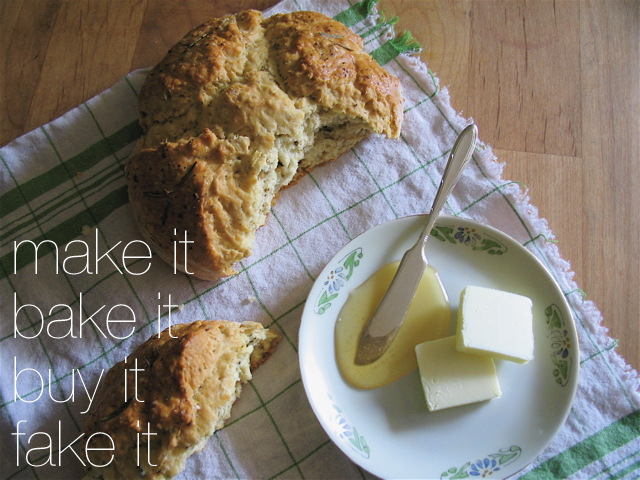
{"points": [[427, 319]]}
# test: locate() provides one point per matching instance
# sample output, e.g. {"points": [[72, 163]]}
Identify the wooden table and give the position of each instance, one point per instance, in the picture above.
{"points": [[552, 86]]}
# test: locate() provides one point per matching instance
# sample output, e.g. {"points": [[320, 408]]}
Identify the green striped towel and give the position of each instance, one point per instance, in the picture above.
{"points": [[63, 183]]}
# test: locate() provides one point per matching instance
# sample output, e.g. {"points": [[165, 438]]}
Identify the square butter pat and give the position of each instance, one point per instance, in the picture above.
{"points": [[451, 378], [495, 323]]}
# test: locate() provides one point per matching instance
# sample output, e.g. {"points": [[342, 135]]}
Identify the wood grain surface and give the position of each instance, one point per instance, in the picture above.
{"points": [[553, 87]]}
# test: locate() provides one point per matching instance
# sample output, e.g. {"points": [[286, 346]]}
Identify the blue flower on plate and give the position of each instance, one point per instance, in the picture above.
{"points": [[466, 235], [343, 429], [484, 468], [348, 432], [335, 280]]}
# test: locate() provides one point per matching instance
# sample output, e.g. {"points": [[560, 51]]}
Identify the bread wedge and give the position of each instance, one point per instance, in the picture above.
{"points": [[162, 404]]}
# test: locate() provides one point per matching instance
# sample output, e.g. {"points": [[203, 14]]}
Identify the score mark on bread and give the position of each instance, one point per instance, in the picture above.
{"points": [[240, 108], [185, 385]]}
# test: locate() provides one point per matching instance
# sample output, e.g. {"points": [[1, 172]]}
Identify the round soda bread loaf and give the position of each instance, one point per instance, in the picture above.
{"points": [[187, 380], [241, 107]]}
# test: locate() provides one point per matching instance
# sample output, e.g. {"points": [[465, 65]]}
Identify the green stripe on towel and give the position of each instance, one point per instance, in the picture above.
{"points": [[589, 450], [394, 47], [356, 13], [59, 174], [66, 231]]}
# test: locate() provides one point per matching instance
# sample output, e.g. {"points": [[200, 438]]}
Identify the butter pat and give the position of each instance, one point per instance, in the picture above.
{"points": [[451, 378], [495, 323]]}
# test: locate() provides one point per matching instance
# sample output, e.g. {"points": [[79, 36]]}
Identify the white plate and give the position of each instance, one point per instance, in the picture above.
{"points": [[388, 431]]}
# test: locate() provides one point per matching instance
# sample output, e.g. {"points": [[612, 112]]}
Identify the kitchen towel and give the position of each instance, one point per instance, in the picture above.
{"points": [[63, 184]]}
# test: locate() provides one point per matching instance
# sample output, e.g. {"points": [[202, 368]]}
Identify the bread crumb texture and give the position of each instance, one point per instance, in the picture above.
{"points": [[240, 108], [187, 382]]}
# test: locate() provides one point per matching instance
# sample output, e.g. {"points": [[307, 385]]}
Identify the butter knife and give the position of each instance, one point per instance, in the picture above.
{"points": [[390, 312]]}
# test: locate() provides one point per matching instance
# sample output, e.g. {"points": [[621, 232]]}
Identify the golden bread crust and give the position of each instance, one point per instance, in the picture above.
{"points": [[183, 394], [320, 58], [246, 106], [193, 185]]}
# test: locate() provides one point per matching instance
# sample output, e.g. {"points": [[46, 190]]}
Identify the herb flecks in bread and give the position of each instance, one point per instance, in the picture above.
{"points": [[183, 391], [240, 108]]}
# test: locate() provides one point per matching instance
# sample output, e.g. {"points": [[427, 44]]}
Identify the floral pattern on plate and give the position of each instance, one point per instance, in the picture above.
{"points": [[486, 466], [347, 432], [560, 344], [336, 279], [470, 237]]}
